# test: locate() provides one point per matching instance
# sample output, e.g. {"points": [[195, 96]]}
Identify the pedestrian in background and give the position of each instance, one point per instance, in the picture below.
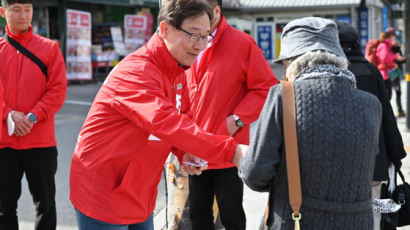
{"points": [[369, 79], [386, 58], [337, 130], [396, 84], [32, 97], [227, 86], [134, 122]]}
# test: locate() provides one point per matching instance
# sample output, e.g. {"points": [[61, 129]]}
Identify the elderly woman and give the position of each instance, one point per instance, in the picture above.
{"points": [[337, 131], [134, 121]]}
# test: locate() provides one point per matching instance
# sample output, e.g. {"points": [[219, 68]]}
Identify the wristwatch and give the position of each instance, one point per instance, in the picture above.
{"points": [[32, 118], [238, 122]]}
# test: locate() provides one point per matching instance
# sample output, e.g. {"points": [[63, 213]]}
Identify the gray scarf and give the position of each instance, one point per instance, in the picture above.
{"points": [[326, 70]]}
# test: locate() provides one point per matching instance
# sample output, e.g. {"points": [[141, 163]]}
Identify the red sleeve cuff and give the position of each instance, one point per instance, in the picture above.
{"points": [[230, 150]]}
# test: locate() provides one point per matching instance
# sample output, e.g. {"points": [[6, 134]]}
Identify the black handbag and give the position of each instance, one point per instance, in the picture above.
{"points": [[401, 195], [388, 220]]}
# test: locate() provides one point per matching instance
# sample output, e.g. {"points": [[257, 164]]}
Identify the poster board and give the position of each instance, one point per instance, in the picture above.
{"points": [[78, 51], [116, 35], [134, 31], [265, 38]]}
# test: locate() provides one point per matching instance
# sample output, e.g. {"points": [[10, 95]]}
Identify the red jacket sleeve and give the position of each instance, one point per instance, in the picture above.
{"points": [[259, 79], [56, 87], [141, 98]]}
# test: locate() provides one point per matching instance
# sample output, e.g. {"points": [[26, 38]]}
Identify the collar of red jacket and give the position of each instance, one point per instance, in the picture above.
{"points": [[22, 38], [223, 25], [163, 57]]}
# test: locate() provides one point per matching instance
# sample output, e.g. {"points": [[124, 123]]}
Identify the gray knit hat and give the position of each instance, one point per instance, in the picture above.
{"points": [[308, 34]]}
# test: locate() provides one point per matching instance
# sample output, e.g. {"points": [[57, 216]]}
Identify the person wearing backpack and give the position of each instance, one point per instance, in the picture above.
{"points": [[386, 57]]}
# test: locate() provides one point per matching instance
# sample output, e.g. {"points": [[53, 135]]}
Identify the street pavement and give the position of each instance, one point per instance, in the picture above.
{"points": [[68, 123]]}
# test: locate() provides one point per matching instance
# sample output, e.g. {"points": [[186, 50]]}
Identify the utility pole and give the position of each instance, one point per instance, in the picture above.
{"points": [[406, 19]]}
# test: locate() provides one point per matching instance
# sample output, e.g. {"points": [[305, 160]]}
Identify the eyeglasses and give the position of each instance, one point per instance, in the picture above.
{"points": [[195, 37]]}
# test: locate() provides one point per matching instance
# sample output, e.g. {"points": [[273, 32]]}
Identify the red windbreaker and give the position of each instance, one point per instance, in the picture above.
{"points": [[118, 160], [233, 77], [26, 88]]}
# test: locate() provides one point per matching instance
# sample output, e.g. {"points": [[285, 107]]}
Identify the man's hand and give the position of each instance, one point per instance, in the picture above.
{"points": [[239, 153], [231, 125], [192, 170], [22, 126]]}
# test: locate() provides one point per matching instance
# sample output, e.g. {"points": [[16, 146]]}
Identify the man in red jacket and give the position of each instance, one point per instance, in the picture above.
{"points": [[134, 122], [32, 96], [227, 85]]}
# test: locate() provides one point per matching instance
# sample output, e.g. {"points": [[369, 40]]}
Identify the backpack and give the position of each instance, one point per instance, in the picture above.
{"points": [[371, 49]]}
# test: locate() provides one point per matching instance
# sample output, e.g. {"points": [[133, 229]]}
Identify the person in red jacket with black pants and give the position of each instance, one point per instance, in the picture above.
{"points": [[134, 123], [32, 97], [227, 85]]}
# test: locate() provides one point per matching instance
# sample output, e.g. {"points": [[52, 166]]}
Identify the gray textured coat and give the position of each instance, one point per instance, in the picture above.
{"points": [[338, 128]]}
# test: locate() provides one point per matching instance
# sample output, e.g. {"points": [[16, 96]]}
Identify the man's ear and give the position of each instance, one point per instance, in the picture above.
{"points": [[217, 11], [217, 14], [2, 12], [163, 29]]}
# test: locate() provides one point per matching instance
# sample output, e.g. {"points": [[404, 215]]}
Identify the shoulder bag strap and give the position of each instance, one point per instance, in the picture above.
{"points": [[291, 148], [27, 53]]}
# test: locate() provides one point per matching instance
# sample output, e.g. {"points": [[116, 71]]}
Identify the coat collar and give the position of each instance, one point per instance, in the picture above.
{"points": [[163, 58], [222, 27], [22, 38]]}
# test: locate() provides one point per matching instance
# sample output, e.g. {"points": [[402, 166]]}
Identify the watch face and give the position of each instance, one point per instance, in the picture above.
{"points": [[240, 123], [32, 118]]}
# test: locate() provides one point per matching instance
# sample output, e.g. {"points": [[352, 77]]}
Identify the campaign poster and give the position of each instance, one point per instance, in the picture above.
{"points": [[78, 51], [134, 31]]}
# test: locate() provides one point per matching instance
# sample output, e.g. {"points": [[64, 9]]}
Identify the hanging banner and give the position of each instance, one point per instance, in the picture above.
{"points": [[134, 31], [78, 51], [265, 38], [363, 27]]}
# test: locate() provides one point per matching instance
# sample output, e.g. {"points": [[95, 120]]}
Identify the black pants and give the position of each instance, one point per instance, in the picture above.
{"points": [[397, 88], [39, 165], [226, 185]]}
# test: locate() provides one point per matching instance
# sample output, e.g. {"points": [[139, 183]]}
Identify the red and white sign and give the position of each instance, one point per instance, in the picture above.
{"points": [[135, 22], [79, 19], [78, 48], [137, 30]]}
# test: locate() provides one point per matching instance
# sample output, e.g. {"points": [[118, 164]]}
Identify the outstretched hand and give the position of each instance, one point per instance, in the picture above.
{"points": [[190, 169]]}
